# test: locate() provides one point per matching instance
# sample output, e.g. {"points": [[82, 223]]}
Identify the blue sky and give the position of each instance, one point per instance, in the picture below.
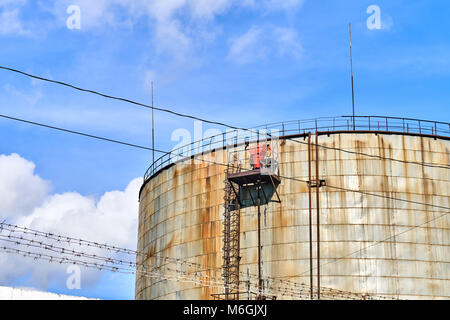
{"points": [[242, 62]]}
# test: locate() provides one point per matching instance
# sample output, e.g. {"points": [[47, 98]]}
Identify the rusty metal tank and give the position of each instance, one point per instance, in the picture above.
{"points": [[377, 238]]}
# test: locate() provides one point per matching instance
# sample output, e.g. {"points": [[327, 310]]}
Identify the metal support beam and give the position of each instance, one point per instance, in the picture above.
{"points": [[310, 218], [259, 247], [275, 188], [236, 193], [318, 214]]}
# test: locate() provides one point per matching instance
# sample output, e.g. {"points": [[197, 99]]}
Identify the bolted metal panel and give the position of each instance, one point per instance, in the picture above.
{"points": [[181, 208]]}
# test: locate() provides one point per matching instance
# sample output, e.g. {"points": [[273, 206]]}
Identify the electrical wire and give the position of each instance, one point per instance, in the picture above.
{"points": [[117, 98], [82, 134], [295, 287], [371, 194], [290, 178], [222, 124], [425, 164], [283, 291], [53, 236], [380, 241], [100, 138], [197, 118], [100, 266], [212, 162]]}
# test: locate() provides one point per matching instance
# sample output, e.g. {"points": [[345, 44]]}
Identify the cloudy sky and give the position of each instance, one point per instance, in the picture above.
{"points": [[244, 62]]}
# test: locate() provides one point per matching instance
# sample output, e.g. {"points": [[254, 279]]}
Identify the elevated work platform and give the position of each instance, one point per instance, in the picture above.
{"points": [[253, 185], [253, 177]]}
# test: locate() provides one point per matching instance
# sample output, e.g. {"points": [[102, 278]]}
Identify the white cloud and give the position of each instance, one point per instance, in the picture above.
{"points": [[245, 48], [28, 97], [30, 102], [179, 25], [112, 218], [386, 23], [21, 189], [207, 8], [287, 41], [261, 42], [165, 15], [284, 5], [273, 5], [25, 200], [12, 2], [10, 22]]}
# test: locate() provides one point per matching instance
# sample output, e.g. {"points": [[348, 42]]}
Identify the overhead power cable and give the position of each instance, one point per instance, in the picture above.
{"points": [[390, 198], [81, 134], [371, 194], [202, 119], [425, 164], [208, 161], [218, 123], [119, 98], [375, 243], [99, 137]]}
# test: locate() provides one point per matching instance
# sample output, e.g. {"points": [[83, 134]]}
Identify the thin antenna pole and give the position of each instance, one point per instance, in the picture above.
{"points": [[153, 129], [351, 66]]}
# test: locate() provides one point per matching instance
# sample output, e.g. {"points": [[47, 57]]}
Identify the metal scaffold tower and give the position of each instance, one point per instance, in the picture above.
{"points": [[245, 189], [231, 232]]}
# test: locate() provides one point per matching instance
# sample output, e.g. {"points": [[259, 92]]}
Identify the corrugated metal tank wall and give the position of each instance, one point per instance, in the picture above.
{"points": [[181, 210]]}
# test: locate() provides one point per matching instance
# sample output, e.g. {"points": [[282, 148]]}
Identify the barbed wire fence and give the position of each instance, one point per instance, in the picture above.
{"points": [[60, 249]]}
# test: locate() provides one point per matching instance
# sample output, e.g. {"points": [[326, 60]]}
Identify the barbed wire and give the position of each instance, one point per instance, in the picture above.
{"points": [[100, 266], [295, 289], [62, 250], [250, 287], [82, 242]]}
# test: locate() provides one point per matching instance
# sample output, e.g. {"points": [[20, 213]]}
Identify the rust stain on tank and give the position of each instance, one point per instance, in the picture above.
{"points": [[406, 266]]}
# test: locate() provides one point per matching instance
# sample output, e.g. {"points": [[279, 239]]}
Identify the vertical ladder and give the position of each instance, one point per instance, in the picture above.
{"points": [[231, 231]]}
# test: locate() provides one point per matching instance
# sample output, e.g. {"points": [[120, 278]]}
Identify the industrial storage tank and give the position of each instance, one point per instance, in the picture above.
{"points": [[383, 221]]}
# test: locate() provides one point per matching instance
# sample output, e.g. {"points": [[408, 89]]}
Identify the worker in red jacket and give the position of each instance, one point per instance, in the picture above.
{"points": [[257, 154]]}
